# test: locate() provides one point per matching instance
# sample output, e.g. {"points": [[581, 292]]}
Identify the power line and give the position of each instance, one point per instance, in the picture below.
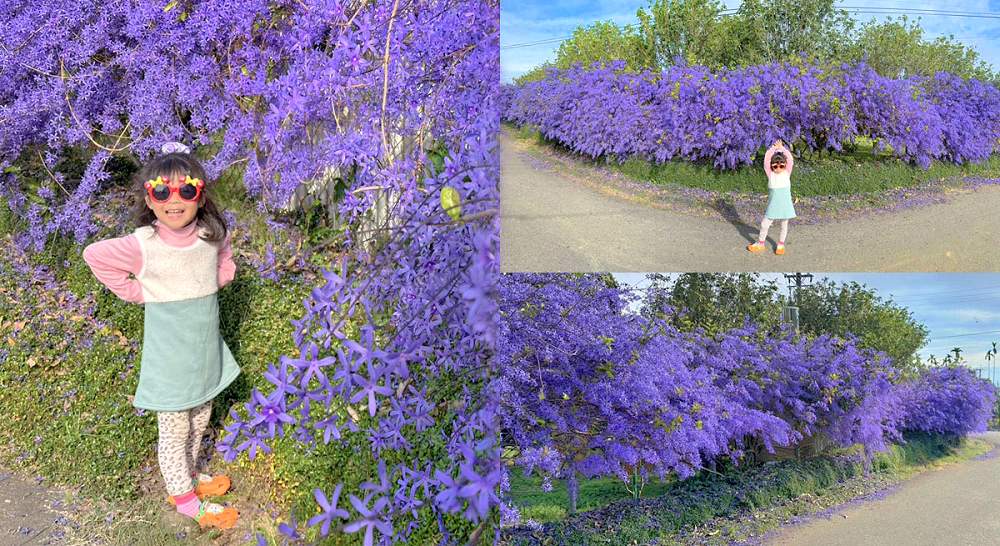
{"points": [[967, 335], [990, 14], [987, 295]]}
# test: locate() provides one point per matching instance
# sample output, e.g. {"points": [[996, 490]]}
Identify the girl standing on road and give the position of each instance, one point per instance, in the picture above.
{"points": [[778, 167], [180, 257]]}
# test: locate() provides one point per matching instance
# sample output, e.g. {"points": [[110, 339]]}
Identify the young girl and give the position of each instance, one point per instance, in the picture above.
{"points": [[778, 166], [180, 257]]}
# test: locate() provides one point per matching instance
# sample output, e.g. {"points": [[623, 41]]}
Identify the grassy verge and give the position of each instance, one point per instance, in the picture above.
{"points": [[736, 505], [542, 506], [859, 171]]}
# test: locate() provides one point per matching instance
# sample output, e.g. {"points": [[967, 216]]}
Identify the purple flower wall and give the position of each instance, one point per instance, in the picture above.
{"points": [[726, 117]]}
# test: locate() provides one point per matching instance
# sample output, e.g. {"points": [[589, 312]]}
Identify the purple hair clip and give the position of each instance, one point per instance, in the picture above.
{"points": [[174, 147]]}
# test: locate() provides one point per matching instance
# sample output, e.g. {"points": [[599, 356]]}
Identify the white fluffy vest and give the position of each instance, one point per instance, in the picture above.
{"points": [[172, 273]]}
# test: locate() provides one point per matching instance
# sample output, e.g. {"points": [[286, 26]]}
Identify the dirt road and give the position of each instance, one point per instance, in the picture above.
{"points": [[551, 221], [956, 505], [32, 513]]}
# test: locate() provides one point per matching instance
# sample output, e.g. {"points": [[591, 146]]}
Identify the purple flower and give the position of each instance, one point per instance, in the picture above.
{"points": [[269, 410], [371, 518], [369, 387], [330, 510]]}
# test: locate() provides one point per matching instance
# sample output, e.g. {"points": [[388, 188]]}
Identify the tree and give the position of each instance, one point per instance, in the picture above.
{"points": [[534, 74], [780, 30], [716, 302], [602, 42], [896, 48], [678, 28], [852, 308]]}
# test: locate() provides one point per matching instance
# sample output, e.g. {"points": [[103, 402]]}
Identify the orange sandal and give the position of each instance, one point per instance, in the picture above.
{"points": [[755, 247], [208, 486], [216, 515], [780, 250], [211, 486]]}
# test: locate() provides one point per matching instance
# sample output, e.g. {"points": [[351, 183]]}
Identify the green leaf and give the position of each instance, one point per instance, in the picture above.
{"points": [[451, 202], [339, 190], [170, 6]]}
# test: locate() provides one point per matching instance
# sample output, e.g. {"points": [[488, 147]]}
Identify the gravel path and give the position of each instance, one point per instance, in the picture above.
{"points": [[955, 505], [553, 221]]}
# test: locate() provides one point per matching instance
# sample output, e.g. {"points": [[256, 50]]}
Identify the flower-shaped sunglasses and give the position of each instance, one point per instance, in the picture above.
{"points": [[159, 189]]}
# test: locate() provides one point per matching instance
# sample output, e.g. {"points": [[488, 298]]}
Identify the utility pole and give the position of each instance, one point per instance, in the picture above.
{"points": [[994, 349], [790, 313], [989, 365], [797, 277]]}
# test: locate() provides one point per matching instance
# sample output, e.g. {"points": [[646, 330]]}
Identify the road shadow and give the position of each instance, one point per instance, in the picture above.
{"points": [[729, 213]]}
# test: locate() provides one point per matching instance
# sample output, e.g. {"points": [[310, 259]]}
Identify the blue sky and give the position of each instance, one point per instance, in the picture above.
{"points": [[523, 21], [950, 305]]}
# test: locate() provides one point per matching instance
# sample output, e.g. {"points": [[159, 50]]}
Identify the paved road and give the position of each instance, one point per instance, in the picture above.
{"points": [[553, 222], [28, 511], [955, 505]]}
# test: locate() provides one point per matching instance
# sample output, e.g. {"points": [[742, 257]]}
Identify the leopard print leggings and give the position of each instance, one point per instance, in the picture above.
{"points": [[180, 440]]}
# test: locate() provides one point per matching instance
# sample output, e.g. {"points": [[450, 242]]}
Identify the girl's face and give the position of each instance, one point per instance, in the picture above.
{"points": [[175, 213], [777, 167]]}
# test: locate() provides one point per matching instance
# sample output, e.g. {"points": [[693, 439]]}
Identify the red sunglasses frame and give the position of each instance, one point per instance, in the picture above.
{"points": [[151, 186]]}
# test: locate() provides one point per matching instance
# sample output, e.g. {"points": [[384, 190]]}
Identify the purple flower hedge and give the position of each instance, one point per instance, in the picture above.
{"points": [[824, 385], [589, 386], [948, 400], [725, 117]]}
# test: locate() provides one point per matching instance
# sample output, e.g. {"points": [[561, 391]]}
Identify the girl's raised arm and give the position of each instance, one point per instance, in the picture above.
{"points": [[227, 267], [767, 158], [112, 260]]}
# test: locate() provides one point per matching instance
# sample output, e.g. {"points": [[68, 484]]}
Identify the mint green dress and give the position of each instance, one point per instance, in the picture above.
{"points": [[185, 362]]}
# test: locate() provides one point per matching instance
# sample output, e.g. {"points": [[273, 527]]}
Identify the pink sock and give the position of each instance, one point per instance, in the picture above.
{"points": [[188, 504]]}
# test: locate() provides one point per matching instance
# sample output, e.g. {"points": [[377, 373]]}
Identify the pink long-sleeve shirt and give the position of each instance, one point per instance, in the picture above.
{"points": [[112, 260]]}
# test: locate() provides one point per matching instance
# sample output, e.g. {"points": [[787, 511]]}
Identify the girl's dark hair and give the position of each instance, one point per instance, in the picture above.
{"points": [[179, 165], [778, 157]]}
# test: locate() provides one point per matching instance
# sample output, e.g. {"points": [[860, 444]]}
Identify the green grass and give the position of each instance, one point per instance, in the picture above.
{"points": [[858, 171], [738, 504], [552, 506]]}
